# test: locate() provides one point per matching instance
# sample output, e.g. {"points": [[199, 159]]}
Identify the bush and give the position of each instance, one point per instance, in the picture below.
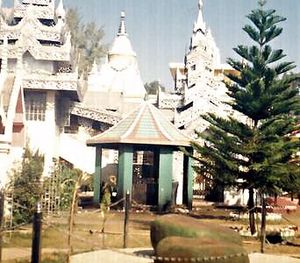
{"points": [[25, 183], [183, 237], [192, 248], [184, 226]]}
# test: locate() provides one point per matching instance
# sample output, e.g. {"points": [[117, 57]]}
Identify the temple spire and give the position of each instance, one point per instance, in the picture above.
{"points": [[60, 10], [200, 24], [122, 28]]}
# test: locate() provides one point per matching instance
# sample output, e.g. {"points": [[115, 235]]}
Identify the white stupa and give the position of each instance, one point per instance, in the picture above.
{"points": [[117, 85]]}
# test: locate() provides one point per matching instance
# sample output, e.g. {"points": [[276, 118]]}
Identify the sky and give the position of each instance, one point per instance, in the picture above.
{"points": [[160, 30]]}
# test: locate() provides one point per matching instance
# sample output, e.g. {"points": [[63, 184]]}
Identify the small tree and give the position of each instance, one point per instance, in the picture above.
{"points": [[62, 182], [25, 183], [255, 154], [152, 87], [87, 40]]}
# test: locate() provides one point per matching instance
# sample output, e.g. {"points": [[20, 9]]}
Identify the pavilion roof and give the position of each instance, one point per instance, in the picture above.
{"points": [[146, 125]]}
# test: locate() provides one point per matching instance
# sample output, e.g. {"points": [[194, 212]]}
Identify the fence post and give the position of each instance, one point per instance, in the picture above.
{"points": [[126, 219], [36, 235], [1, 221], [263, 223]]}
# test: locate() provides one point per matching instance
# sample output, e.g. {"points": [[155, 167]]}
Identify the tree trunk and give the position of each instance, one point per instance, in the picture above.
{"points": [[263, 224], [251, 209]]}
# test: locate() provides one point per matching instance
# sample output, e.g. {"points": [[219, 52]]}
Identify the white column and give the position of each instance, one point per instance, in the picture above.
{"points": [[50, 137]]}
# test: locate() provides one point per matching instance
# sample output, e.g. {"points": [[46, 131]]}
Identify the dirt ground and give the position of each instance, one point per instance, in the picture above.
{"points": [[89, 234]]}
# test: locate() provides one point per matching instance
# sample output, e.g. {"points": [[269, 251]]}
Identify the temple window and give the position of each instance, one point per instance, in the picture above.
{"points": [[193, 67], [35, 103], [1, 126]]}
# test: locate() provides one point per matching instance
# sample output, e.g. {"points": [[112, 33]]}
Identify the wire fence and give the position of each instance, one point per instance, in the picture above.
{"points": [[95, 230]]}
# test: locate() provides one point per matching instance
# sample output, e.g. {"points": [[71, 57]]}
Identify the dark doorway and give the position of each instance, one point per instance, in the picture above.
{"points": [[145, 177]]}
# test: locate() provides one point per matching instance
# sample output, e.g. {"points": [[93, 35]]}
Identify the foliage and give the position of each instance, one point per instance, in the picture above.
{"points": [[87, 40], [183, 226], [25, 184], [179, 236], [64, 183], [152, 87], [255, 153], [191, 249]]}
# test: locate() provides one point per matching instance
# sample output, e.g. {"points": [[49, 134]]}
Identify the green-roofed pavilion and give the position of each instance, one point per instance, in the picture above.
{"points": [[145, 131]]}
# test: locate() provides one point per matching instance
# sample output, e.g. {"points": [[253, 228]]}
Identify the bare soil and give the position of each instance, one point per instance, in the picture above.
{"points": [[89, 234]]}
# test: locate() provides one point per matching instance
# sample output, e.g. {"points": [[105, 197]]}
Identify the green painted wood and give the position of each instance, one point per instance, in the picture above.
{"points": [[125, 170], [165, 178], [97, 175]]}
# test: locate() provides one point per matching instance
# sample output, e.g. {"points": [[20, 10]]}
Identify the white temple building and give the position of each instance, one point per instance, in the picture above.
{"points": [[198, 82], [39, 89], [37, 81], [199, 89], [117, 85]]}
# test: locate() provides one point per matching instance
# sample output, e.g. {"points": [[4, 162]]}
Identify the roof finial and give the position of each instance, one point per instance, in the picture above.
{"points": [[200, 4], [122, 28], [199, 25], [60, 11]]}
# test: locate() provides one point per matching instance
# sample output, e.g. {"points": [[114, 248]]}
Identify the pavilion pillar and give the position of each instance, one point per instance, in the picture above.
{"points": [[125, 170], [97, 176], [188, 181], [165, 178]]}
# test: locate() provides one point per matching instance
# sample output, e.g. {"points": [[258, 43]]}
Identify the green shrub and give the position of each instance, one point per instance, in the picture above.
{"points": [[25, 184], [198, 248], [184, 226]]}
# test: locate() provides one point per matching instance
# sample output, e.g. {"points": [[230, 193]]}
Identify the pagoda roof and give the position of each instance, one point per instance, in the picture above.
{"points": [[146, 125], [35, 27], [42, 9]]}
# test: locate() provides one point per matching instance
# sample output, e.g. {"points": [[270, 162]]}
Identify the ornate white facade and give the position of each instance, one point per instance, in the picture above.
{"points": [[198, 81], [39, 88], [37, 81]]}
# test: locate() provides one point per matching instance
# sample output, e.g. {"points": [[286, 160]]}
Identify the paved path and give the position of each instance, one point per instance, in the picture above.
{"points": [[116, 256], [265, 258]]}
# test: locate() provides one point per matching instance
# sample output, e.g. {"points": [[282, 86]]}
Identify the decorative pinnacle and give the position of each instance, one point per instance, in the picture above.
{"points": [[122, 28], [200, 4], [60, 11]]}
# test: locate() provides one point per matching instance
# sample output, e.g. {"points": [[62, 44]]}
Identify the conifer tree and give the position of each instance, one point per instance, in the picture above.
{"points": [[254, 152]]}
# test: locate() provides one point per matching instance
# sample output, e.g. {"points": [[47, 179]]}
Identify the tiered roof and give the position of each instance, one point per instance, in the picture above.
{"points": [[43, 9], [44, 40]]}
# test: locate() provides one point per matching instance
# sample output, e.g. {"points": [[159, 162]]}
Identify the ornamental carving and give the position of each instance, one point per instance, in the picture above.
{"points": [[48, 84], [42, 12], [33, 26], [38, 2], [169, 101], [95, 114]]}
